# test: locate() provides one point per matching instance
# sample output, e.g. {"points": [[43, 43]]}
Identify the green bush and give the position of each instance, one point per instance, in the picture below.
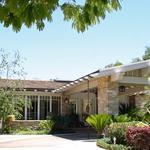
{"points": [[46, 124], [118, 130], [122, 118], [106, 144], [28, 131]]}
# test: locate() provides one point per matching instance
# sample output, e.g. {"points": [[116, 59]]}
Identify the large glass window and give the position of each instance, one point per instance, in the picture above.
{"points": [[44, 107], [56, 102], [32, 110]]}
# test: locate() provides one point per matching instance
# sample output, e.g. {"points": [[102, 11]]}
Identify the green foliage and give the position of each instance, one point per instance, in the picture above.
{"points": [[124, 108], [118, 130], [107, 144], [134, 113], [28, 131], [122, 118], [141, 124], [47, 124], [98, 121], [135, 60], [146, 56], [15, 13], [117, 63], [10, 104]]}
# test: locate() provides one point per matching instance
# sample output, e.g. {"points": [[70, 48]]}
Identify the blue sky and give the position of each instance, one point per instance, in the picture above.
{"points": [[60, 52]]}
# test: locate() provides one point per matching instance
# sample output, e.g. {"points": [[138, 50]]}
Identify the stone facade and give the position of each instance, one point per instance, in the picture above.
{"points": [[102, 95], [25, 124], [107, 96]]}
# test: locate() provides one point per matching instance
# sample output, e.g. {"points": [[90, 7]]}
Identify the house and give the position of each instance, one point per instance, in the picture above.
{"points": [[101, 91]]}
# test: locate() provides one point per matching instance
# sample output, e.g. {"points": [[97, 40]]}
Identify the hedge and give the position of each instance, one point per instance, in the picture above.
{"points": [[139, 137]]}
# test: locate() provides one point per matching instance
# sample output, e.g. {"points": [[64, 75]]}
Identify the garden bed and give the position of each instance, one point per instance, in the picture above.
{"points": [[107, 144]]}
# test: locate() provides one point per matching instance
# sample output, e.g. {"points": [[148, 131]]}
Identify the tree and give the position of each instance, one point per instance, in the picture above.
{"points": [[146, 56], [10, 102], [137, 59], [15, 13], [11, 65], [117, 63]]}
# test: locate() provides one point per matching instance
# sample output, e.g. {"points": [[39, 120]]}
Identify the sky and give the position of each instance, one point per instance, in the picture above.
{"points": [[60, 52]]}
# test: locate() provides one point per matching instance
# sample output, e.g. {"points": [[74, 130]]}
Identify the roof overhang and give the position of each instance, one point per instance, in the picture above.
{"points": [[105, 72]]}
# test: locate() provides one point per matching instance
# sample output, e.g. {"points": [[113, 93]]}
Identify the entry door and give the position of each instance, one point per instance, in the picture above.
{"points": [[56, 105], [132, 101]]}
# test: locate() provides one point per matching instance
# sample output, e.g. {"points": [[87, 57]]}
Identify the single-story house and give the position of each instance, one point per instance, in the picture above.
{"points": [[98, 92]]}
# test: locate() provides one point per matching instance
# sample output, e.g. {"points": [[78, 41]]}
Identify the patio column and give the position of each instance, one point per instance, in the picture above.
{"points": [[38, 110], [50, 104], [25, 109]]}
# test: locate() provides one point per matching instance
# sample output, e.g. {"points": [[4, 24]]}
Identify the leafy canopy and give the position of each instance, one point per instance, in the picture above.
{"points": [[15, 13]]}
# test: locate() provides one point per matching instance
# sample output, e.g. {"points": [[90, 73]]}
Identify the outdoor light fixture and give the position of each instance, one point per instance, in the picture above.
{"points": [[66, 100], [122, 88]]}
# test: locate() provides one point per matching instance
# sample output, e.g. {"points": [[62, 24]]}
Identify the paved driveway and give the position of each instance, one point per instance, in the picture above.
{"points": [[67, 142]]}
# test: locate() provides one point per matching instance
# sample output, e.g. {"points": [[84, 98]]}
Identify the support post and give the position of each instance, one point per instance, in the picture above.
{"points": [[38, 111], [25, 109], [50, 104]]}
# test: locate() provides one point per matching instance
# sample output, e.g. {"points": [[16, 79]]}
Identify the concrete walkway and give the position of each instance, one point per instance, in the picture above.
{"points": [[51, 142]]}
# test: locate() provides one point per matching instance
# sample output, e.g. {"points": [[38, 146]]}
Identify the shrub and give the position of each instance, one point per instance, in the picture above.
{"points": [[46, 124], [99, 122], [139, 137], [141, 124], [122, 118], [118, 130]]}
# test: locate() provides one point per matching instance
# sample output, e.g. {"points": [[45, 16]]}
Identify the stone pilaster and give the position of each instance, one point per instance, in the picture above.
{"points": [[113, 99], [107, 96], [102, 95]]}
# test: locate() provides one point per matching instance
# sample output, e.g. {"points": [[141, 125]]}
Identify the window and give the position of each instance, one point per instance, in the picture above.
{"points": [[44, 107], [32, 110], [56, 102], [134, 73]]}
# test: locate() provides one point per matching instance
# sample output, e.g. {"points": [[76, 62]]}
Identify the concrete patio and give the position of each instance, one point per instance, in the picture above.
{"points": [[67, 142]]}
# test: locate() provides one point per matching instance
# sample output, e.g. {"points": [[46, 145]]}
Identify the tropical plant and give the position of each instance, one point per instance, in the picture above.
{"points": [[122, 118], [99, 121], [124, 108]]}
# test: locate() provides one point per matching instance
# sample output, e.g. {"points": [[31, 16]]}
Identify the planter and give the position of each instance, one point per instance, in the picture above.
{"points": [[11, 118]]}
